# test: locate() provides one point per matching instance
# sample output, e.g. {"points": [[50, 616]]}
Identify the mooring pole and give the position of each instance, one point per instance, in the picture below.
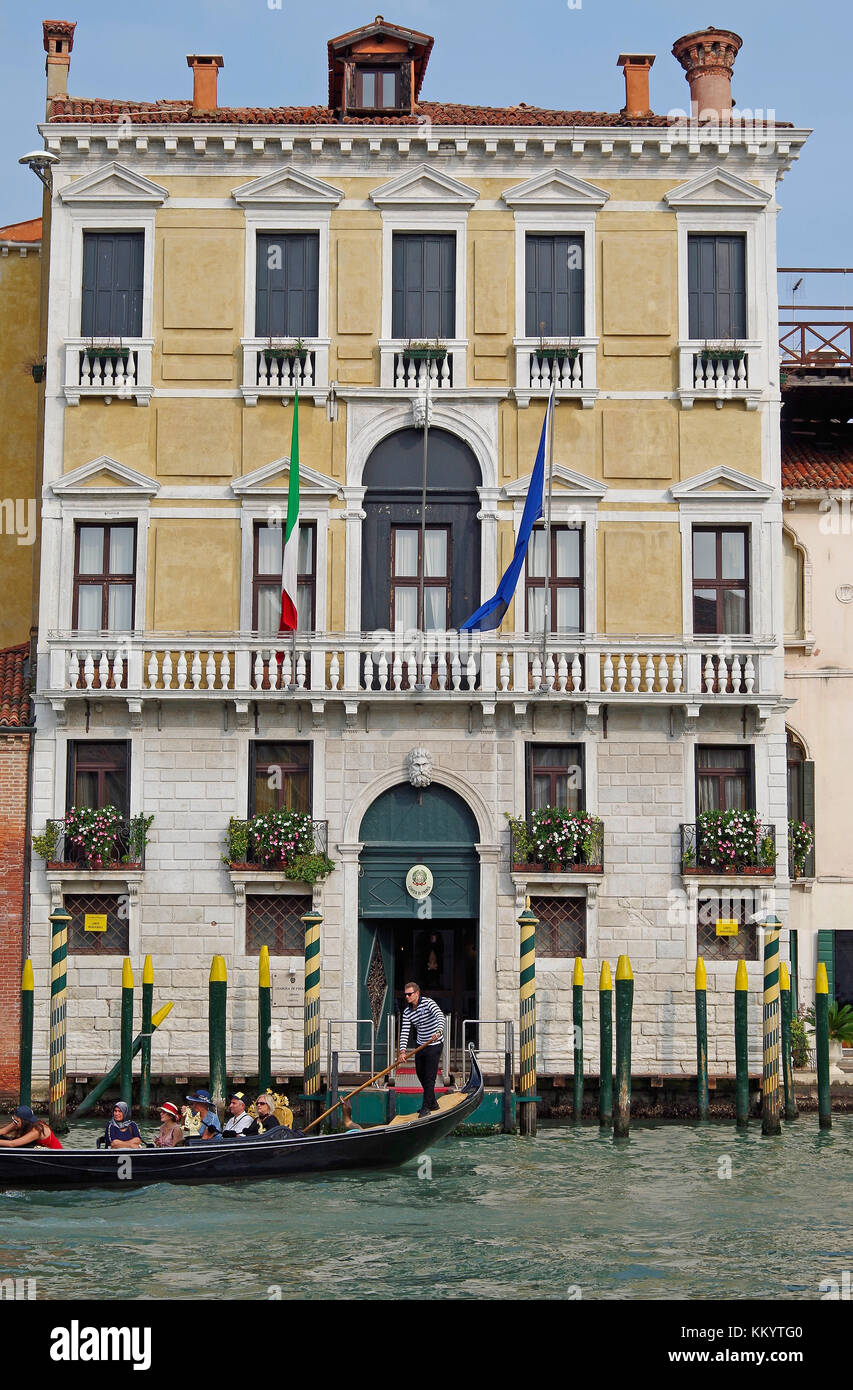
{"points": [[217, 1012], [145, 1059], [25, 1087], [821, 1013], [577, 1021], [527, 1023], [311, 1087], [791, 1111], [624, 1009], [741, 1045], [264, 1021], [507, 1097], [770, 1107], [334, 1093], [126, 1083], [605, 1066], [57, 1096], [701, 1039], [106, 1082]]}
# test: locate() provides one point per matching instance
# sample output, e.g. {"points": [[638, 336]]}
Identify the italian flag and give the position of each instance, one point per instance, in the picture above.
{"points": [[291, 532]]}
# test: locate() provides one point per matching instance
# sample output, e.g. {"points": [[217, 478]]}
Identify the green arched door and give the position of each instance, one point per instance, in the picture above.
{"points": [[399, 937]]}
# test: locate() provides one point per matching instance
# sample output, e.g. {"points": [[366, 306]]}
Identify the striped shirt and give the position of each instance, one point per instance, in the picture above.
{"points": [[427, 1020]]}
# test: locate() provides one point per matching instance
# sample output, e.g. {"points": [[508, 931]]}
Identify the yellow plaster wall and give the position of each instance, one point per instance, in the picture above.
{"points": [[641, 591], [710, 438], [198, 439], [195, 567], [640, 441], [19, 407], [268, 430], [123, 431], [198, 296]]}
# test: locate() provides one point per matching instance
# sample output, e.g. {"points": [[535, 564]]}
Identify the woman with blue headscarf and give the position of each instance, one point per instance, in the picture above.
{"points": [[121, 1131]]}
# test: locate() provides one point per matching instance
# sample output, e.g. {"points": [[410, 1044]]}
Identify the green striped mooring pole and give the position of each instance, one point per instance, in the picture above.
{"points": [[741, 1045], [25, 1088], [821, 1013], [145, 1059], [126, 1083], [770, 1099], [264, 1021], [791, 1111], [701, 1039], [577, 1021], [106, 1082], [624, 1009], [527, 1022], [312, 921], [605, 1066], [217, 1005], [57, 1094]]}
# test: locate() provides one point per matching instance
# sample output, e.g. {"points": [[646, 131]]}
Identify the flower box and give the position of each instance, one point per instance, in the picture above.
{"points": [[285, 354], [554, 354], [528, 868], [424, 352], [108, 351]]}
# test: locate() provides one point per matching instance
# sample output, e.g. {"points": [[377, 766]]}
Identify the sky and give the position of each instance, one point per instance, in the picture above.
{"points": [[554, 53]]}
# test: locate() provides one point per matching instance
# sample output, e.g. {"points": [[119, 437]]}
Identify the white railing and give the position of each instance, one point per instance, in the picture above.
{"points": [[268, 371], [400, 372], [719, 375], [571, 372], [109, 368], [385, 664]]}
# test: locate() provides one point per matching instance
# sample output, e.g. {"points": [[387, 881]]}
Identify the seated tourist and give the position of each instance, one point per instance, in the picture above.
{"points": [[26, 1128], [202, 1105], [122, 1132], [240, 1120], [265, 1107], [170, 1132]]}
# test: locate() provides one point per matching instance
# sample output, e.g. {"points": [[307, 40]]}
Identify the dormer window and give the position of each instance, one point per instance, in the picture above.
{"points": [[377, 89]]}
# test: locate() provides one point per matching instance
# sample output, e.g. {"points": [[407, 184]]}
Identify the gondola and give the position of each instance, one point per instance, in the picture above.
{"points": [[198, 1160]]}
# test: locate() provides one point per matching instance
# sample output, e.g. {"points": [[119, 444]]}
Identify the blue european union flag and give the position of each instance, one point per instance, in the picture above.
{"points": [[491, 614]]}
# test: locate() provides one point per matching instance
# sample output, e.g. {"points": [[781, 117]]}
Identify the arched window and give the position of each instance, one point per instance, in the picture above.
{"points": [[793, 589], [801, 790]]}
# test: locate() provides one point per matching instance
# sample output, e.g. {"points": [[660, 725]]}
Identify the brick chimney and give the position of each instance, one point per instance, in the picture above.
{"points": [[637, 67], [708, 57], [205, 68], [58, 43]]}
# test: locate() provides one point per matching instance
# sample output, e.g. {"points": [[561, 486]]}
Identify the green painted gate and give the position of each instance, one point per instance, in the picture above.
{"points": [[409, 825]]}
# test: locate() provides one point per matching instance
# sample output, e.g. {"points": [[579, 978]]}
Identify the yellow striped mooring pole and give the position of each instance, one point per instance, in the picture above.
{"points": [[770, 1020], [311, 922], [527, 1022], [701, 992], [58, 957]]}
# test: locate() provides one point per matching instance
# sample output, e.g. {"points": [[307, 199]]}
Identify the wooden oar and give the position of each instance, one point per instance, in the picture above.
{"points": [[363, 1087]]}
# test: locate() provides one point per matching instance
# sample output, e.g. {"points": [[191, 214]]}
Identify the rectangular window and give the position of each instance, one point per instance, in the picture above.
{"points": [[561, 931], [287, 285], [408, 559], [716, 287], [554, 287], [555, 776], [274, 920], [112, 284], [727, 907], [279, 777], [266, 578], [564, 579], [99, 924], [377, 89], [104, 577], [99, 775], [720, 579], [423, 286], [723, 778]]}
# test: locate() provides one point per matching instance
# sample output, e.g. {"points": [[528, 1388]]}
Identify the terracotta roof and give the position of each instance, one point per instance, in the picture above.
{"points": [[14, 685], [99, 110], [22, 231], [808, 464]]}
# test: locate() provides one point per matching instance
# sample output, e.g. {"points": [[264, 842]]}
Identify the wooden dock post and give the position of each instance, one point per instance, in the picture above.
{"points": [[701, 1039], [821, 1013], [25, 1087], [527, 1022], [741, 1046], [264, 1021], [577, 1025], [605, 1066], [145, 1059], [624, 1010], [126, 1082], [770, 1107], [791, 1111], [217, 1012], [57, 1101], [311, 1088]]}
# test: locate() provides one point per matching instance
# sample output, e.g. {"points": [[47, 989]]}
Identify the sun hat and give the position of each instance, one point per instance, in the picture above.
{"points": [[24, 1112], [201, 1098], [169, 1109]]}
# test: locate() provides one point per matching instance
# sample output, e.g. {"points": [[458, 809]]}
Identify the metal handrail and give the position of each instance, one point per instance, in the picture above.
{"points": [[509, 1038], [334, 1022]]}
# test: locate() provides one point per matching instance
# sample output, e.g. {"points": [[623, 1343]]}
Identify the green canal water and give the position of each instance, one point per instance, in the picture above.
{"points": [[568, 1214]]}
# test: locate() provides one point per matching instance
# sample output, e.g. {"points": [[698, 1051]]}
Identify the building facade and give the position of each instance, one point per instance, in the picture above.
{"points": [[206, 261]]}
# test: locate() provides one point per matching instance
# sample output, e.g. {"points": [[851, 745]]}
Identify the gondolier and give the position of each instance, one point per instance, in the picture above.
{"points": [[423, 1019]]}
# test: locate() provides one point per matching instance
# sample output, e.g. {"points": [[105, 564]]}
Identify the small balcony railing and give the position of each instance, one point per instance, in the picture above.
{"points": [[816, 346], [588, 856], [126, 849], [278, 371], [712, 849], [569, 368], [719, 374], [109, 368], [402, 369], [242, 850]]}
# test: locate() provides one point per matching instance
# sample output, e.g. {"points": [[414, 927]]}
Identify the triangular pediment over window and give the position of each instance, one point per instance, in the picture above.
{"points": [[288, 187], [722, 484], [105, 475], [567, 486], [273, 479], [424, 187], [555, 188], [114, 184], [717, 188]]}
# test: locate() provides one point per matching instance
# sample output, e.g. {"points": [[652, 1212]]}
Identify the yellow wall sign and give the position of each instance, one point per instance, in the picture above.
{"points": [[726, 926], [95, 921]]}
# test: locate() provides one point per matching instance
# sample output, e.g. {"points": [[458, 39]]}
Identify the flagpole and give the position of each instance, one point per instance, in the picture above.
{"points": [[547, 621], [420, 685]]}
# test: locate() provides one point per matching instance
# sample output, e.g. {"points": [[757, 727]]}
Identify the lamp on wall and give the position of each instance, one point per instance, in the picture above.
{"points": [[332, 403], [41, 162]]}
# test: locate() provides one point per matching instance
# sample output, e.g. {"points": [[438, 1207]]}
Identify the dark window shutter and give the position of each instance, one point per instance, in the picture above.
{"points": [[113, 267], [826, 953], [287, 285], [716, 287], [793, 936], [808, 811], [423, 286], [553, 287]]}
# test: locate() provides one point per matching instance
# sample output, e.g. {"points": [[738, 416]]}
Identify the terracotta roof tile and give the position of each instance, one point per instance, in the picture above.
{"points": [[14, 686], [808, 464], [22, 231]]}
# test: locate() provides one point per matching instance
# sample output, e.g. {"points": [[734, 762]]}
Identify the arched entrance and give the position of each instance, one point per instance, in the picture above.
{"points": [[399, 937]]}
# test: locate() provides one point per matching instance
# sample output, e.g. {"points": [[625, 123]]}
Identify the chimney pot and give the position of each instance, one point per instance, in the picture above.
{"points": [[58, 35], [205, 68], [636, 67], [708, 56]]}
